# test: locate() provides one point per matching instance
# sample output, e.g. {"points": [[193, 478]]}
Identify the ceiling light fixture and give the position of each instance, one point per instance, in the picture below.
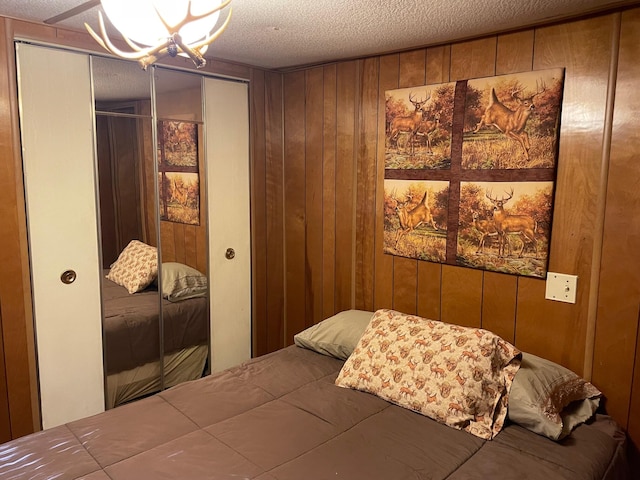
{"points": [[156, 28]]}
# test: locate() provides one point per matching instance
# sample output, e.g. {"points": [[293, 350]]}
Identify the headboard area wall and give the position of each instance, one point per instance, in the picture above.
{"points": [[333, 170]]}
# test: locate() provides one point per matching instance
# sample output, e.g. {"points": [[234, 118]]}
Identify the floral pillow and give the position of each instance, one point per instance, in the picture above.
{"points": [[456, 375], [136, 266]]}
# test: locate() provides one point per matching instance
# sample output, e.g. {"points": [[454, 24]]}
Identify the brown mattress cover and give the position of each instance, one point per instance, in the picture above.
{"points": [[280, 417], [131, 326]]}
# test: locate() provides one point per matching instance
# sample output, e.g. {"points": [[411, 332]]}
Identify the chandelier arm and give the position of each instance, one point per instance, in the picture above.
{"points": [[133, 45], [153, 57], [209, 40], [189, 17], [192, 52], [215, 9], [96, 37]]}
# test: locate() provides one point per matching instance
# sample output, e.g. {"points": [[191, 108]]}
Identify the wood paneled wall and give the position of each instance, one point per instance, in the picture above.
{"points": [[333, 172]]}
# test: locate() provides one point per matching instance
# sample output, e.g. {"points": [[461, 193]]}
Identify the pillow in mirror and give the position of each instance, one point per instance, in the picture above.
{"points": [[180, 282], [136, 266]]}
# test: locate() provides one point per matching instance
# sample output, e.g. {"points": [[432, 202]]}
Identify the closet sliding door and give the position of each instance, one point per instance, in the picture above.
{"points": [[227, 140], [57, 124]]}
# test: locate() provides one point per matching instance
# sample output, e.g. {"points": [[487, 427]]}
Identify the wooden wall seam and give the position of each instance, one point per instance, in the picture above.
{"points": [[596, 259]]}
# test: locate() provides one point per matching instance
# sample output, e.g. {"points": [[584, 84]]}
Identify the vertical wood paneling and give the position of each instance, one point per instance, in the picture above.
{"points": [[274, 171], [383, 275], [405, 285], [329, 192], [179, 242], [294, 204], [546, 328], [5, 418], [472, 59], [257, 116], [461, 296], [190, 246], [168, 246], [314, 120], [366, 189], [584, 49], [347, 93], [619, 292], [429, 289], [514, 52], [438, 64], [499, 304], [15, 286]]}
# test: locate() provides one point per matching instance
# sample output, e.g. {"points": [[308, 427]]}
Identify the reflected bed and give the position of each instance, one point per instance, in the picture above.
{"points": [[132, 341]]}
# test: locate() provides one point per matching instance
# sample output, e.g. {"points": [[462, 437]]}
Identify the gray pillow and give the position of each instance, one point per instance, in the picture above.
{"points": [[549, 399], [180, 282], [336, 336]]}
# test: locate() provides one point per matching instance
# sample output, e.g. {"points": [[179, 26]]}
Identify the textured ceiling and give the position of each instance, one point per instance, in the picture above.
{"points": [[285, 33]]}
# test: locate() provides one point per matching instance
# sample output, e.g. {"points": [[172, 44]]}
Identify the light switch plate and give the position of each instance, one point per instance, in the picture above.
{"points": [[561, 287]]}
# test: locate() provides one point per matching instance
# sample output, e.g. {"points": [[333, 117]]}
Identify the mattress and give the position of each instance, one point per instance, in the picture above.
{"points": [[281, 417], [131, 327]]}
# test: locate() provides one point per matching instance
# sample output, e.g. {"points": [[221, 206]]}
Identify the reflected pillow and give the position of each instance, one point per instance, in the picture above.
{"points": [[180, 282], [136, 266], [549, 399], [336, 336]]}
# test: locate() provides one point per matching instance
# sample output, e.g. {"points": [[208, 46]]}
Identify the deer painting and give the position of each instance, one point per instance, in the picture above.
{"points": [[428, 127], [511, 122], [410, 219], [506, 223], [408, 124], [486, 228]]}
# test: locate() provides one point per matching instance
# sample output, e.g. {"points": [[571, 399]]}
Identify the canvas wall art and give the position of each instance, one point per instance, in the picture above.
{"points": [[470, 170], [178, 176]]}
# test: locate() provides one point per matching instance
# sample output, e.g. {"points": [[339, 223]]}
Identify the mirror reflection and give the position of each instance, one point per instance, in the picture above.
{"points": [[155, 312], [183, 232]]}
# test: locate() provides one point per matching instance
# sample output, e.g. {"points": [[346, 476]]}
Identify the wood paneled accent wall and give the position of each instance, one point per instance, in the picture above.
{"points": [[333, 172]]}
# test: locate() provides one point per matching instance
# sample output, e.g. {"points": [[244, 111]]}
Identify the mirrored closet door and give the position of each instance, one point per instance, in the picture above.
{"points": [[154, 167]]}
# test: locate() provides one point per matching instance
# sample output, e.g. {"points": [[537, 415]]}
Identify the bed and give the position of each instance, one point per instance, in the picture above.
{"points": [[132, 341], [131, 292], [283, 416]]}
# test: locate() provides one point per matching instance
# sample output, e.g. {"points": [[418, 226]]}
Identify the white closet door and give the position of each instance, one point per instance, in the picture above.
{"points": [[227, 151], [58, 156]]}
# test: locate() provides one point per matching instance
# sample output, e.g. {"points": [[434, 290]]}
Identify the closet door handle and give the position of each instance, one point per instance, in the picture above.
{"points": [[230, 253], [68, 277]]}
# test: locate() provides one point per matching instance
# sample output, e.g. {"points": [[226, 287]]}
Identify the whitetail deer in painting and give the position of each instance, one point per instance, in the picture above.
{"points": [[427, 128], [408, 124], [506, 223], [418, 215], [486, 228], [511, 122]]}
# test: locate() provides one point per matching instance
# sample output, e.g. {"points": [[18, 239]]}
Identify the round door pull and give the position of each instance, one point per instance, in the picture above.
{"points": [[68, 276], [230, 253]]}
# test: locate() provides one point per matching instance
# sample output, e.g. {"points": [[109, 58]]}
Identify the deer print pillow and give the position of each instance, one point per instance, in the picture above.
{"points": [[456, 375], [136, 266]]}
